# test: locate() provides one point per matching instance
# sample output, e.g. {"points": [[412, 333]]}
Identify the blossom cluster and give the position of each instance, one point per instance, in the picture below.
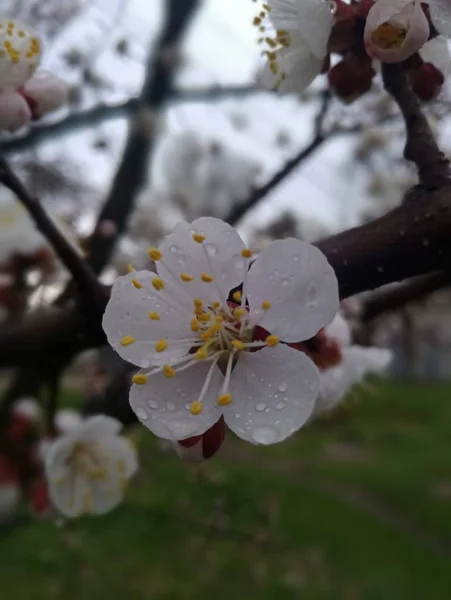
{"points": [[303, 38], [25, 94]]}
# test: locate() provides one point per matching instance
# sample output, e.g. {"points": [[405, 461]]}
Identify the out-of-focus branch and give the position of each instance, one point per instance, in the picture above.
{"points": [[238, 211], [397, 297], [82, 274], [133, 167], [421, 146], [100, 113]]}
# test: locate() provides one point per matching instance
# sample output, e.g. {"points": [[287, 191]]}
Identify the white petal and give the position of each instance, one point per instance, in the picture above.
{"points": [[360, 361], [339, 330], [334, 385], [122, 455], [163, 404], [273, 394], [25, 41], [315, 21], [127, 313], [69, 496], [441, 16], [14, 111], [301, 286], [436, 52], [181, 254], [94, 428], [47, 91]]}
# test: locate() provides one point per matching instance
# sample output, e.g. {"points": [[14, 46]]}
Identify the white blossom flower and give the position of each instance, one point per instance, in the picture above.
{"points": [[20, 53], [357, 362], [436, 52], [87, 470], [396, 29], [212, 357], [46, 92], [67, 420], [296, 34]]}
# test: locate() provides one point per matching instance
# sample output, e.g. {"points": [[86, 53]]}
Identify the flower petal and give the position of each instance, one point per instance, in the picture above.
{"points": [[334, 385], [163, 404], [339, 330], [441, 16], [274, 392], [21, 53], [300, 285], [14, 111], [315, 20], [127, 314], [436, 52], [219, 256], [47, 92], [97, 427]]}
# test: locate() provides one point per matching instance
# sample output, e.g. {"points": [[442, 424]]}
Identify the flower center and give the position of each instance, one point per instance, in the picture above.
{"points": [[388, 36], [87, 460]]}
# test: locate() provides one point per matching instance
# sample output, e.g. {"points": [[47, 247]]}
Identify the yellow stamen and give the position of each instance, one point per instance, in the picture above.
{"points": [[158, 283], [238, 344], [219, 319], [196, 407], [127, 340], [272, 340], [225, 399], [206, 278], [216, 305], [131, 268], [195, 327], [154, 316], [161, 345], [236, 296], [186, 277], [198, 304], [204, 317], [140, 379], [138, 285], [169, 371], [155, 254], [198, 237], [388, 36], [266, 305], [246, 253], [201, 354], [239, 312]]}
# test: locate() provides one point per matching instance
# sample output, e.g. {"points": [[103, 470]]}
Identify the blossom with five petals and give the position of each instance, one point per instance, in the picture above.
{"points": [[87, 470], [206, 331]]}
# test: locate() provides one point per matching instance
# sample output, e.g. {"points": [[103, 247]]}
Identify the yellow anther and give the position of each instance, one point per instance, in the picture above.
{"points": [[198, 237], [198, 304], [169, 371], [388, 36], [257, 21], [238, 344], [127, 340], [154, 316], [158, 284], [161, 345], [236, 296], [219, 319], [225, 399], [272, 340], [204, 317], [216, 305], [196, 407], [98, 473], [246, 253], [266, 305], [155, 254], [140, 379], [206, 278], [186, 277], [239, 312], [195, 326], [131, 268], [138, 285], [201, 354]]}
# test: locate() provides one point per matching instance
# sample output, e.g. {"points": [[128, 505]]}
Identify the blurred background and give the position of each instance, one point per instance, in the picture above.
{"points": [[356, 505]]}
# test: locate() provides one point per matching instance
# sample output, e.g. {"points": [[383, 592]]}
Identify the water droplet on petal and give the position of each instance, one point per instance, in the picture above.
{"points": [[211, 249], [181, 260], [170, 406], [295, 258], [174, 248], [285, 282], [283, 387], [265, 435], [153, 404], [280, 405], [267, 410], [260, 406], [141, 413], [237, 415]]}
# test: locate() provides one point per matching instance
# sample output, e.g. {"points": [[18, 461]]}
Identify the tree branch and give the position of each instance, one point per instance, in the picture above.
{"points": [[238, 211], [421, 146], [133, 167]]}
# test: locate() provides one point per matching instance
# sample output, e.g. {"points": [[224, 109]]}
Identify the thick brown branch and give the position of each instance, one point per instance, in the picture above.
{"points": [[397, 297], [421, 146]]}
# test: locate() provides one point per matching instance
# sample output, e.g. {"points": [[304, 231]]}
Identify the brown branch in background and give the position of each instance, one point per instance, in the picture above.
{"points": [[131, 173], [393, 299], [421, 146], [239, 210], [83, 275]]}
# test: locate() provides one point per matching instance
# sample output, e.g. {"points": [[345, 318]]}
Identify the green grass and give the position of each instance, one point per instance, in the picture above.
{"points": [[357, 507]]}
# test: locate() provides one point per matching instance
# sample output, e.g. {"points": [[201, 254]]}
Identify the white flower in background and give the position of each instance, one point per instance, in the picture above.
{"points": [[296, 34], [67, 420], [356, 363], [88, 469], [17, 231], [396, 29], [24, 96], [211, 357], [28, 407], [436, 52]]}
